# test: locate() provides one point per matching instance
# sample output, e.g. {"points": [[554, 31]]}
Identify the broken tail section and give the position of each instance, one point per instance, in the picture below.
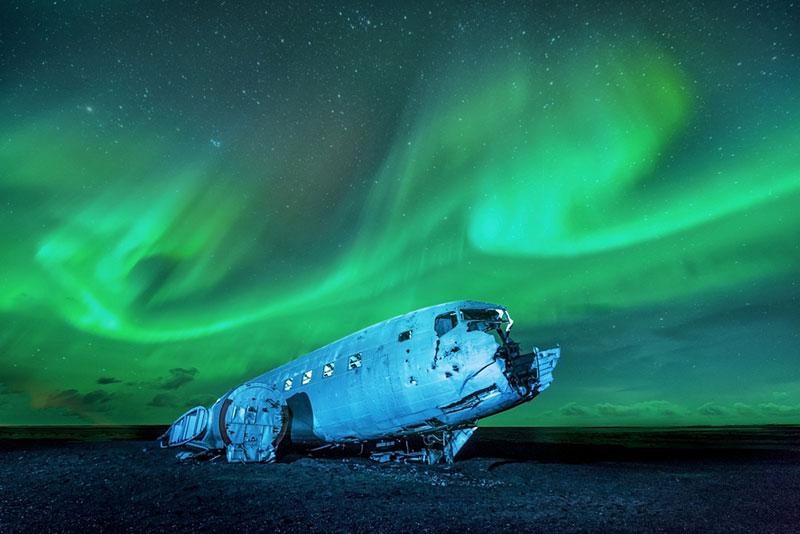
{"points": [[190, 432], [246, 425], [190, 427]]}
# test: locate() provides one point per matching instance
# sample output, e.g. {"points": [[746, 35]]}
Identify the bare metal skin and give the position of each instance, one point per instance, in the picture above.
{"points": [[426, 377]]}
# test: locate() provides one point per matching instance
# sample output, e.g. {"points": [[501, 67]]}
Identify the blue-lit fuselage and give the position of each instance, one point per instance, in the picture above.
{"points": [[436, 369]]}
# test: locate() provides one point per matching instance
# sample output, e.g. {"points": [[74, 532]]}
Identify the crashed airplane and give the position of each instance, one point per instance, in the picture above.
{"points": [[407, 389]]}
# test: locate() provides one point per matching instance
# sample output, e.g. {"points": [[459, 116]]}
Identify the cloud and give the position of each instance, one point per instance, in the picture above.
{"points": [[766, 409], [573, 409], [780, 410], [73, 401], [163, 400], [660, 409], [178, 377], [655, 408], [711, 409], [107, 380], [744, 409], [640, 409]]}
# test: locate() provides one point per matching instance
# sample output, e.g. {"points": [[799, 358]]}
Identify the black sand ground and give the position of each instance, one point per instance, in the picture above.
{"points": [[517, 480]]}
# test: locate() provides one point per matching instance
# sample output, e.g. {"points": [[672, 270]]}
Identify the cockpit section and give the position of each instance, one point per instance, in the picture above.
{"points": [[482, 319], [495, 321], [486, 319]]}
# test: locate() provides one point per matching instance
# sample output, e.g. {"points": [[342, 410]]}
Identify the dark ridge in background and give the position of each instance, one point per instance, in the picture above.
{"points": [[543, 444], [82, 432]]}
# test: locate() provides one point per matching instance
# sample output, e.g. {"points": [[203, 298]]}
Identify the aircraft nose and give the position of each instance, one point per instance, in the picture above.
{"points": [[547, 360], [531, 373]]}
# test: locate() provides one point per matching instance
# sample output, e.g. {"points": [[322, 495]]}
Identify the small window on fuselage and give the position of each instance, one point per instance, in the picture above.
{"points": [[307, 377], [444, 323], [354, 362], [288, 384], [327, 369], [404, 336]]}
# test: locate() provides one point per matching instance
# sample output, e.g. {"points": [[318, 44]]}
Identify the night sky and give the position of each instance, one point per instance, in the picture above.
{"points": [[192, 194]]}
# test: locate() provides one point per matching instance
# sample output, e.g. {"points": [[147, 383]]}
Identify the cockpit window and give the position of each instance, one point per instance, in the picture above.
{"points": [[484, 315], [444, 323], [487, 320]]}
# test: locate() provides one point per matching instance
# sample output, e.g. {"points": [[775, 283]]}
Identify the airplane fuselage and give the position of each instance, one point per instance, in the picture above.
{"points": [[436, 369]]}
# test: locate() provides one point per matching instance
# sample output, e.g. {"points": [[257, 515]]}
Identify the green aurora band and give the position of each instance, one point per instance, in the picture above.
{"points": [[605, 190]]}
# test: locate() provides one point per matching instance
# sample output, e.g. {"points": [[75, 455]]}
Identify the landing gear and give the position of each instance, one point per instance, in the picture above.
{"points": [[454, 440], [438, 447]]}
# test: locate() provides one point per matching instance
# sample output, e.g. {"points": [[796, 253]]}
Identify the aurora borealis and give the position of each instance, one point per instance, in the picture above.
{"points": [[193, 194]]}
